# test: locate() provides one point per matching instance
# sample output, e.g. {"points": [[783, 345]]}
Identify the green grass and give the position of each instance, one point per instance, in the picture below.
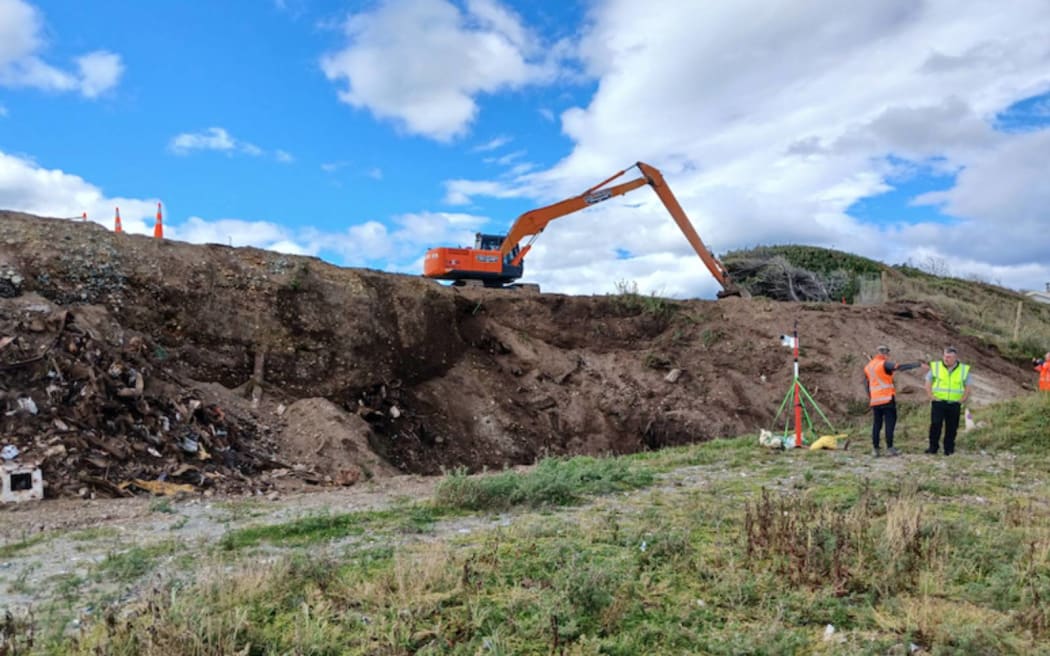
{"points": [[92, 534], [1021, 425], [134, 563], [554, 482], [327, 527], [14, 548]]}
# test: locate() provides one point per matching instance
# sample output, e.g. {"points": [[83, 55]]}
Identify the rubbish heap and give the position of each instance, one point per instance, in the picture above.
{"points": [[99, 414]]}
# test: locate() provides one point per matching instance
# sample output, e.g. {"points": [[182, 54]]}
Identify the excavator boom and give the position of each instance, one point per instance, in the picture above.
{"points": [[656, 180], [496, 260]]}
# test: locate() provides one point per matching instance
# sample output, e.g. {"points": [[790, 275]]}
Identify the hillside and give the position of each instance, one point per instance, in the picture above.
{"points": [[245, 370], [1018, 326]]}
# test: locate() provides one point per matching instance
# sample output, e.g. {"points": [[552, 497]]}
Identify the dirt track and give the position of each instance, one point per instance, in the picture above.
{"points": [[365, 374]]}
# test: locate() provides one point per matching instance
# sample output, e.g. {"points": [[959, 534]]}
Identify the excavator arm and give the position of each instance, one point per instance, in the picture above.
{"points": [[656, 180], [534, 221]]}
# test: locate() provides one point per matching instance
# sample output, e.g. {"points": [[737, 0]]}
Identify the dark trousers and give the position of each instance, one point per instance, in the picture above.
{"points": [[946, 413], [886, 413]]}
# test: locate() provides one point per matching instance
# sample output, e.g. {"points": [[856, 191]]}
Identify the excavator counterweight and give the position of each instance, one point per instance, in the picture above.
{"points": [[497, 260]]}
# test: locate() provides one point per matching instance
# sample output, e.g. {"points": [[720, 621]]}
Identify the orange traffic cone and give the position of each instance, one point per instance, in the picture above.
{"points": [[116, 222], [158, 227]]}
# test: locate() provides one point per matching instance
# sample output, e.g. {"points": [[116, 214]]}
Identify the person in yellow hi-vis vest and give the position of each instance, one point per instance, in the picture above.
{"points": [[947, 385]]}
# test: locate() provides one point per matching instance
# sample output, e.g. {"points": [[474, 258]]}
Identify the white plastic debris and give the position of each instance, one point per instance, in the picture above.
{"points": [[829, 631], [9, 452], [18, 484], [28, 404]]}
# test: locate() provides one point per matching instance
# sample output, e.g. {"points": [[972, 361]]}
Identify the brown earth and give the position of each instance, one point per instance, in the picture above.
{"points": [[246, 370]]}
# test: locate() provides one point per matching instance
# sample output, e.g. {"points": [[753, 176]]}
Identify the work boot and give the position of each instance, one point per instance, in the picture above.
{"points": [[893, 452], [876, 452], [931, 452]]}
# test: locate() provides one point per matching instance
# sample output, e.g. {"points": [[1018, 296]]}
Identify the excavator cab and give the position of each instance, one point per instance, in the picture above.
{"points": [[482, 263]]}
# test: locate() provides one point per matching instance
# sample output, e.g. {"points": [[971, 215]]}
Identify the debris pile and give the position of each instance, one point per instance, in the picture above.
{"points": [[99, 414], [778, 279]]}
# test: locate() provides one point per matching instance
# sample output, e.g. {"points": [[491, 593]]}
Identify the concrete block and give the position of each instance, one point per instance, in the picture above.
{"points": [[20, 483]]}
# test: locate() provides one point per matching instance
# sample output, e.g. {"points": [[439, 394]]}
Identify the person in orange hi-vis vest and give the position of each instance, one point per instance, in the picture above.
{"points": [[878, 383], [1043, 367]]}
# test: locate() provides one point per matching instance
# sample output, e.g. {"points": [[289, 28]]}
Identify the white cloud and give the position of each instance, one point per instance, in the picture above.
{"points": [[1004, 199], [459, 192], [27, 187], [237, 232], [20, 27], [21, 42], [422, 63], [283, 156], [212, 139], [771, 120], [399, 246], [507, 159], [492, 144], [370, 243], [332, 167], [99, 72]]}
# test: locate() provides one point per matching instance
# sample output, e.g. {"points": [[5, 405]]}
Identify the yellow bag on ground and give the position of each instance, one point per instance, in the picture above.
{"points": [[829, 442]]}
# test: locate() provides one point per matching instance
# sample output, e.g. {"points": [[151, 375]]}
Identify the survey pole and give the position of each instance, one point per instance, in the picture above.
{"points": [[798, 396]]}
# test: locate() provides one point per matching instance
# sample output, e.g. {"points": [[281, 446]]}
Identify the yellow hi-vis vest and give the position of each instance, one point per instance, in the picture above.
{"points": [[948, 385]]}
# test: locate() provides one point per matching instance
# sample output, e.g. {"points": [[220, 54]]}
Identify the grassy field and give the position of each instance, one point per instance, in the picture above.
{"points": [[719, 548]]}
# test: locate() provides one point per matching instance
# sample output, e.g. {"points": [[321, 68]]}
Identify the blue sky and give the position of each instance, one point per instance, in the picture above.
{"points": [[364, 132]]}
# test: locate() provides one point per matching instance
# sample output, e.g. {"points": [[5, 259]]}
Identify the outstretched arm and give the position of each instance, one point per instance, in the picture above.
{"points": [[892, 367]]}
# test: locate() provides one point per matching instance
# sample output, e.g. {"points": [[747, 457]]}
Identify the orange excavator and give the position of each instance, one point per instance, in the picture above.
{"points": [[497, 260]]}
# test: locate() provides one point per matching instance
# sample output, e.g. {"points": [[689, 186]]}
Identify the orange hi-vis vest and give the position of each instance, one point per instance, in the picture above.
{"points": [[1044, 376], [880, 383]]}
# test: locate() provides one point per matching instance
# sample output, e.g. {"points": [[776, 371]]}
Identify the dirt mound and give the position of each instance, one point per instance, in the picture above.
{"points": [[426, 377], [322, 437]]}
